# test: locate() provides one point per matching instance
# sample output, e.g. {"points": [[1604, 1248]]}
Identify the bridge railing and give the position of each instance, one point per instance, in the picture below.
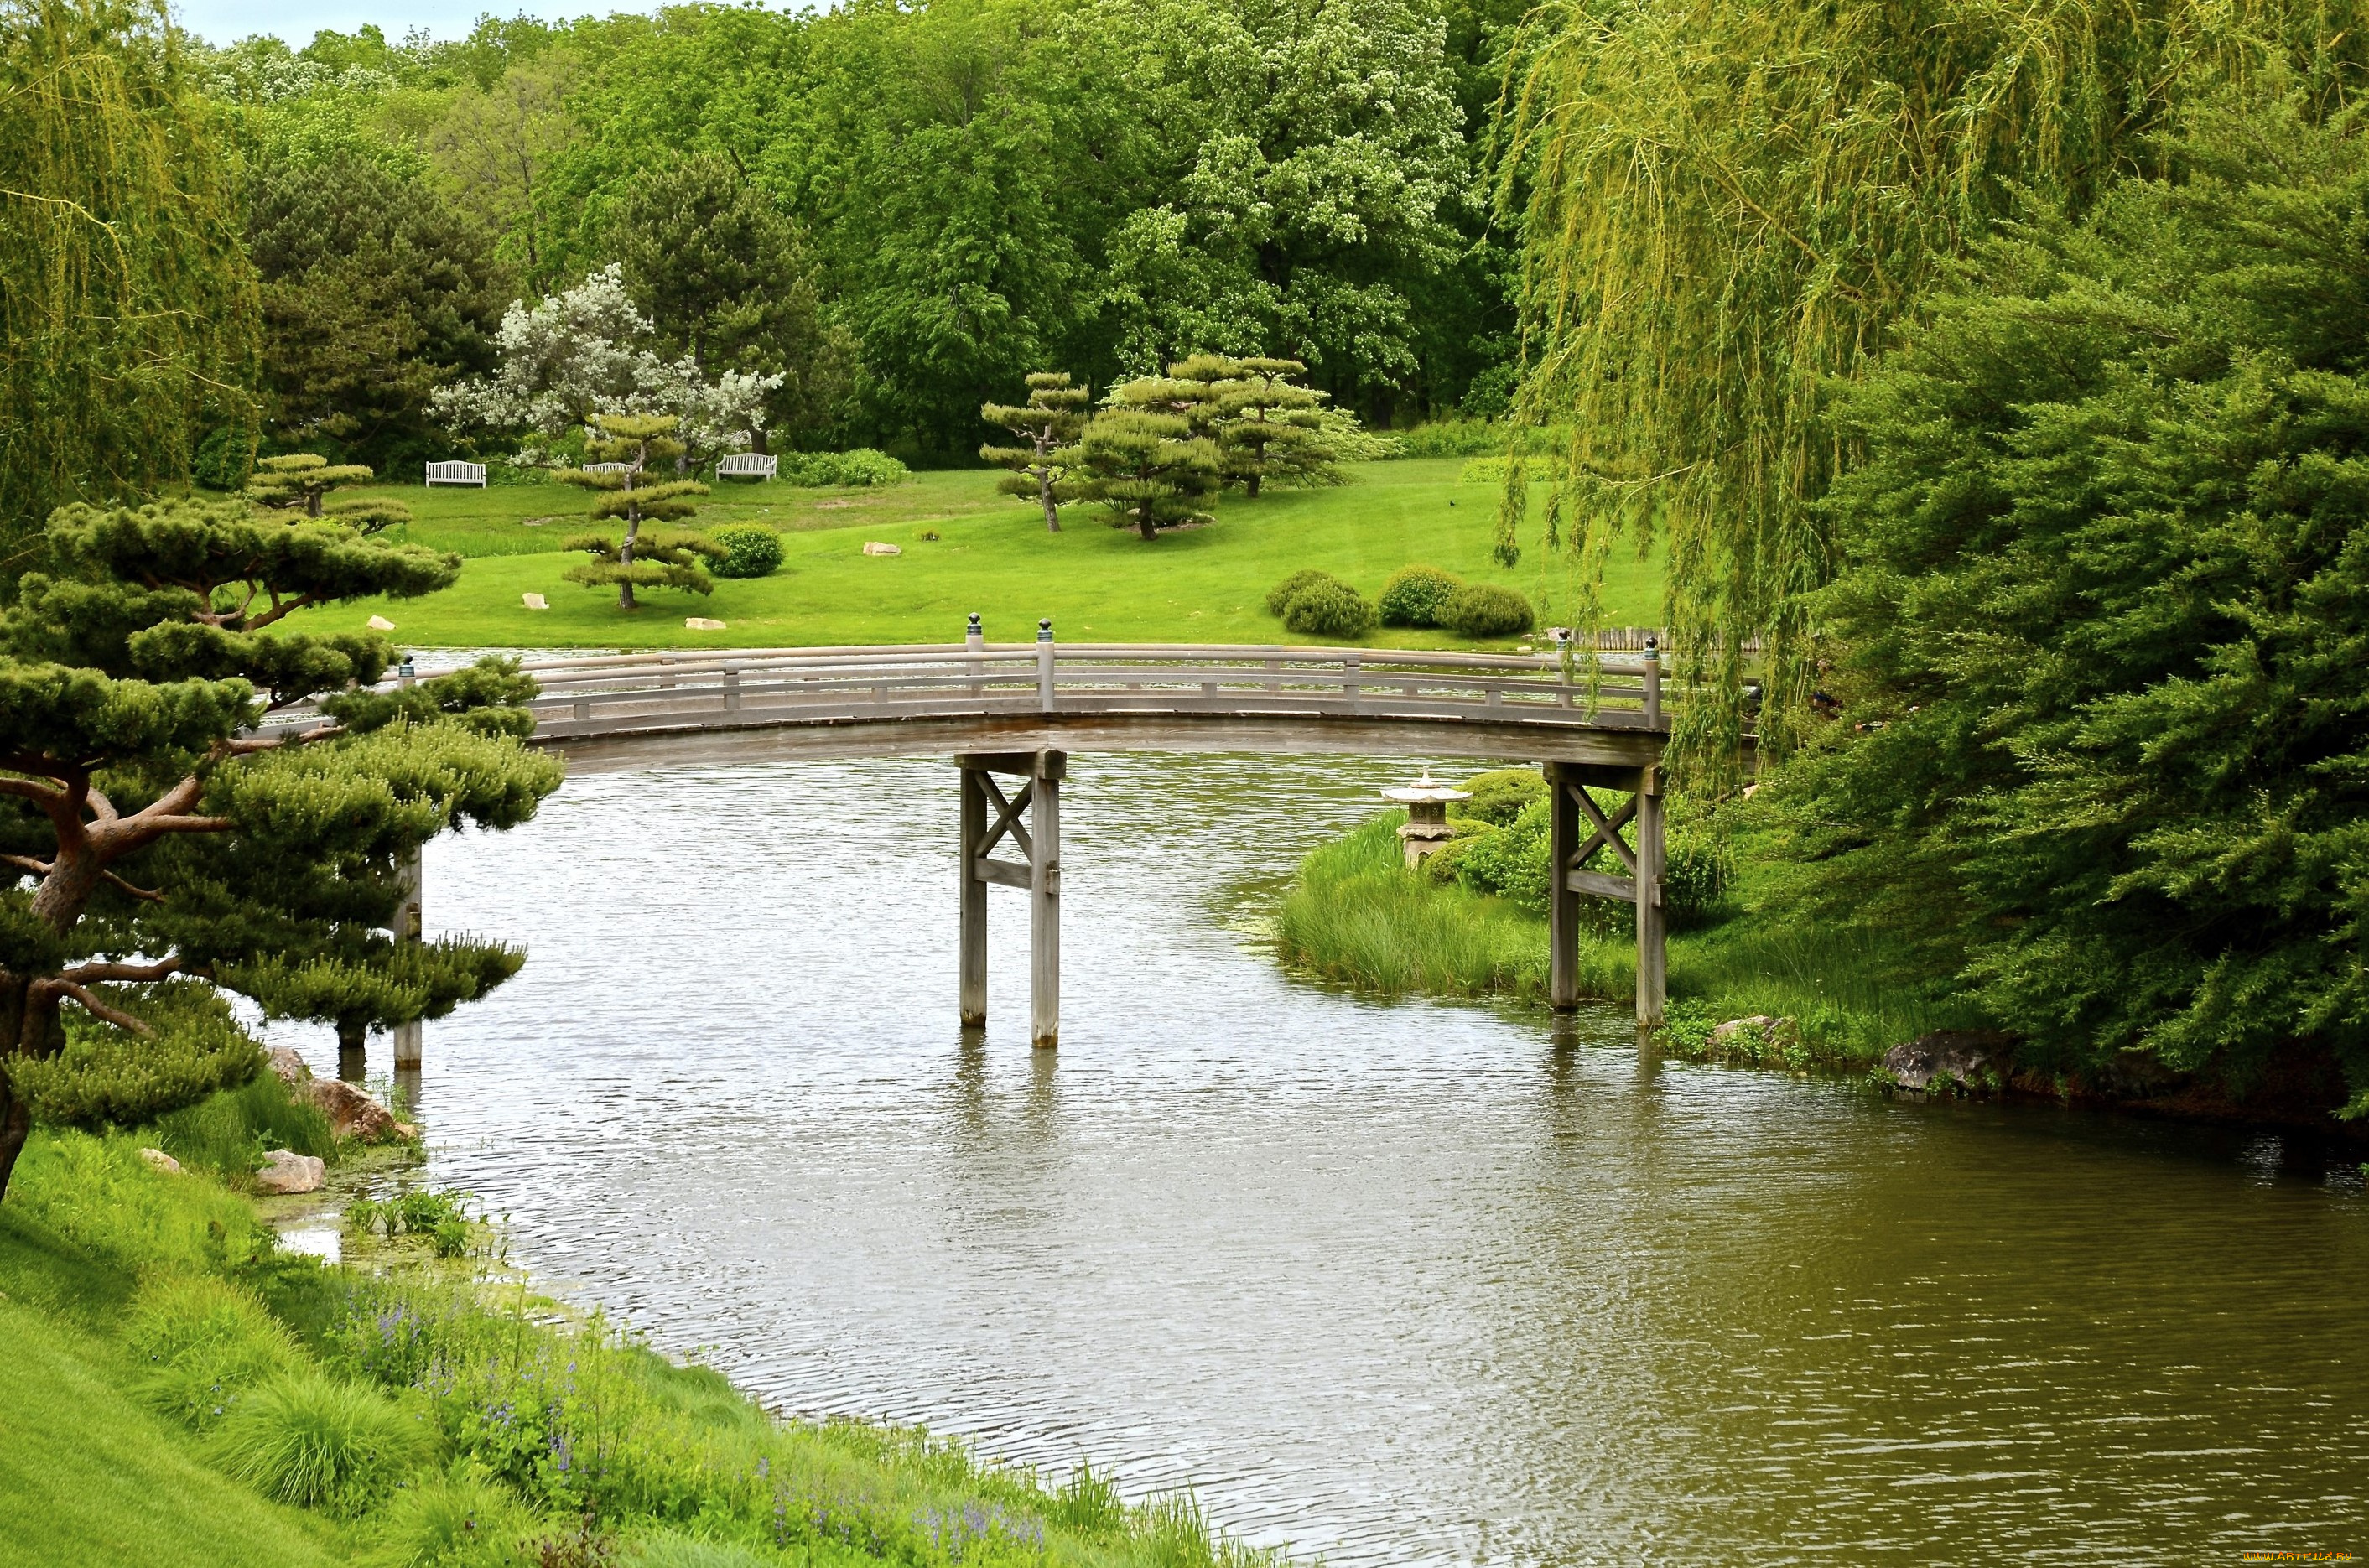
{"points": [[621, 692]]}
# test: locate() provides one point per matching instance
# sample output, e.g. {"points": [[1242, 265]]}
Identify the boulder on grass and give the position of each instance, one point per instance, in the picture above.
{"points": [[160, 1161], [284, 1171], [289, 1066], [1949, 1061]]}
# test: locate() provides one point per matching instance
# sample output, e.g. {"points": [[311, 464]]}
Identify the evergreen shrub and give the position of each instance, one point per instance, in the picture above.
{"points": [[224, 459], [1279, 597], [750, 550], [1499, 796], [863, 467], [1329, 608], [1484, 610], [109, 1075], [1416, 596]]}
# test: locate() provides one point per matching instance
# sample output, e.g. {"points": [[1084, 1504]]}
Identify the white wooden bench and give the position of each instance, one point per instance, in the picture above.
{"points": [[611, 467], [747, 465], [457, 474]]}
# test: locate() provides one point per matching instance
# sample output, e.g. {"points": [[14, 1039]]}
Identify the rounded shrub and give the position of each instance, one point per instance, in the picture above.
{"points": [[318, 1443], [749, 550], [1416, 596], [1499, 794], [866, 466], [1484, 610], [1329, 609], [1279, 597]]}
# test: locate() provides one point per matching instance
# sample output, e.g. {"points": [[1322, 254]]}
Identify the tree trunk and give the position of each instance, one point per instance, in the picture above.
{"points": [[1145, 524], [1045, 493], [354, 1049], [625, 559], [16, 1111], [15, 1126]]}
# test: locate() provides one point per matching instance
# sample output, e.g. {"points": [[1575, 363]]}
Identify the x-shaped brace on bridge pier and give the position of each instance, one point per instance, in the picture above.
{"points": [[1567, 787], [988, 817]]}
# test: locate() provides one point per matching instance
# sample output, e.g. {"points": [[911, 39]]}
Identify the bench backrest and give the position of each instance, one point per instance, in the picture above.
{"points": [[456, 473], [747, 462]]}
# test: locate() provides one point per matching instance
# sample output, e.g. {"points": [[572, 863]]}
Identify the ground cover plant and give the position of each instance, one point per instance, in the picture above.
{"points": [[993, 555], [231, 1403]]}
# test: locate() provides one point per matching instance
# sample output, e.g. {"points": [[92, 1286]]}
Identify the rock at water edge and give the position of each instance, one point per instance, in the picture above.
{"points": [[1946, 1057], [350, 1112], [289, 1066], [284, 1171]]}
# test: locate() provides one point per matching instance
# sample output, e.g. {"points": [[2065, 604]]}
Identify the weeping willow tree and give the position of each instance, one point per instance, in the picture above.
{"points": [[127, 307], [1726, 203]]}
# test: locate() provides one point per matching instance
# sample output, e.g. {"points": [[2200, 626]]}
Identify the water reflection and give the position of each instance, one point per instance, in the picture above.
{"points": [[1419, 1283]]}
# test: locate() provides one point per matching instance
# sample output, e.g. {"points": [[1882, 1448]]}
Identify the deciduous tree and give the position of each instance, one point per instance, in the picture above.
{"points": [[127, 309]]}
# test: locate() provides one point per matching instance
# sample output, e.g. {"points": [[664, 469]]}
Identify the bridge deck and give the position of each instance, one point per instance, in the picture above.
{"points": [[634, 709]]}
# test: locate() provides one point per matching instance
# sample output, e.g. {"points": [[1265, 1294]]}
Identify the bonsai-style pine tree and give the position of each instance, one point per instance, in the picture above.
{"points": [[1270, 427], [298, 481], [1149, 468], [1052, 420], [159, 849], [657, 559]]}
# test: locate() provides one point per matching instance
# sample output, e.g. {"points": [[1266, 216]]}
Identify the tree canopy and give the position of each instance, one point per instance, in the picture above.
{"points": [[2103, 610]]}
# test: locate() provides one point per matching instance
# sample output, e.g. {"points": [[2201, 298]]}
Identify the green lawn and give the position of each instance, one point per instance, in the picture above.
{"points": [[993, 555]]}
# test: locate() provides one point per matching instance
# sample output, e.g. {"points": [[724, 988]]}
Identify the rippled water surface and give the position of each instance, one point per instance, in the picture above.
{"points": [[1416, 1283]]}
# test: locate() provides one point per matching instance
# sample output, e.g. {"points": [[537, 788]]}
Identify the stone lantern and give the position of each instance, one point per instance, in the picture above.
{"points": [[1427, 830]]}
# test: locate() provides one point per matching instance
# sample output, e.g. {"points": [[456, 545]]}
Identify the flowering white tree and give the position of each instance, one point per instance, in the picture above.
{"points": [[588, 351]]}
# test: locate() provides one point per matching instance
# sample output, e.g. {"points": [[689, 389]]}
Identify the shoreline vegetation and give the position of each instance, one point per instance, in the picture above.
{"points": [[1751, 982], [182, 1390]]}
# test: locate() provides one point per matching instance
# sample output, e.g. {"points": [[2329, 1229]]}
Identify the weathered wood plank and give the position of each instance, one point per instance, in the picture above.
{"points": [[1002, 873]]}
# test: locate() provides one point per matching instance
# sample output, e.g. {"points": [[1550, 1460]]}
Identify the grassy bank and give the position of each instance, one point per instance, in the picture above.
{"points": [[1355, 915], [178, 1390], [991, 553]]}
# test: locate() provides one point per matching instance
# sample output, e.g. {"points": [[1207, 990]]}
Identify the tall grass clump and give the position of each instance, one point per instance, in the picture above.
{"points": [[321, 1442], [203, 1344], [458, 1520], [1356, 913], [94, 1193], [228, 1131]]}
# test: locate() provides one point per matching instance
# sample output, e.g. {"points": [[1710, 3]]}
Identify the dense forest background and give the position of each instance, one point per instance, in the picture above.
{"points": [[903, 210]]}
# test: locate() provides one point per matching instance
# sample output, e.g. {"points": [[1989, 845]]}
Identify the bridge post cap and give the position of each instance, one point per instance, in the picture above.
{"points": [[1653, 647], [974, 620], [1045, 630]]}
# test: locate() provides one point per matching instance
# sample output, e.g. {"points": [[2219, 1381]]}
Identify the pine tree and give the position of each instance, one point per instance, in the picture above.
{"points": [[298, 481], [653, 560], [1149, 468], [156, 836], [1270, 427], [1052, 420]]}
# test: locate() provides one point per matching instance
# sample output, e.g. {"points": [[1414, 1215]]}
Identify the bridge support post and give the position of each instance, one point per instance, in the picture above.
{"points": [[1652, 920], [988, 818], [1563, 899], [1569, 803], [1045, 908], [408, 927]]}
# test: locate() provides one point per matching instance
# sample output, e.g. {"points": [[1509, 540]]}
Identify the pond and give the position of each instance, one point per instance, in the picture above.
{"points": [[1420, 1282]]}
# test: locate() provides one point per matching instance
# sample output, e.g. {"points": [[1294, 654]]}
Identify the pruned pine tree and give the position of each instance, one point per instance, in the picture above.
{"points": [[1053, 418], [161, 851], [1149, 468], [657, 559], [1271, 428], [298, 481]]}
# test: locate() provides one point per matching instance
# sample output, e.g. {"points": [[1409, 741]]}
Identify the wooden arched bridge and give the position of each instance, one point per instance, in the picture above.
{"points": [[1015, 711]]}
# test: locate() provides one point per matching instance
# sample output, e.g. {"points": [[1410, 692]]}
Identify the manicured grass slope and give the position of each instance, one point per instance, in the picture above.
{"points": [[992, 556], [89, 1478]]}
